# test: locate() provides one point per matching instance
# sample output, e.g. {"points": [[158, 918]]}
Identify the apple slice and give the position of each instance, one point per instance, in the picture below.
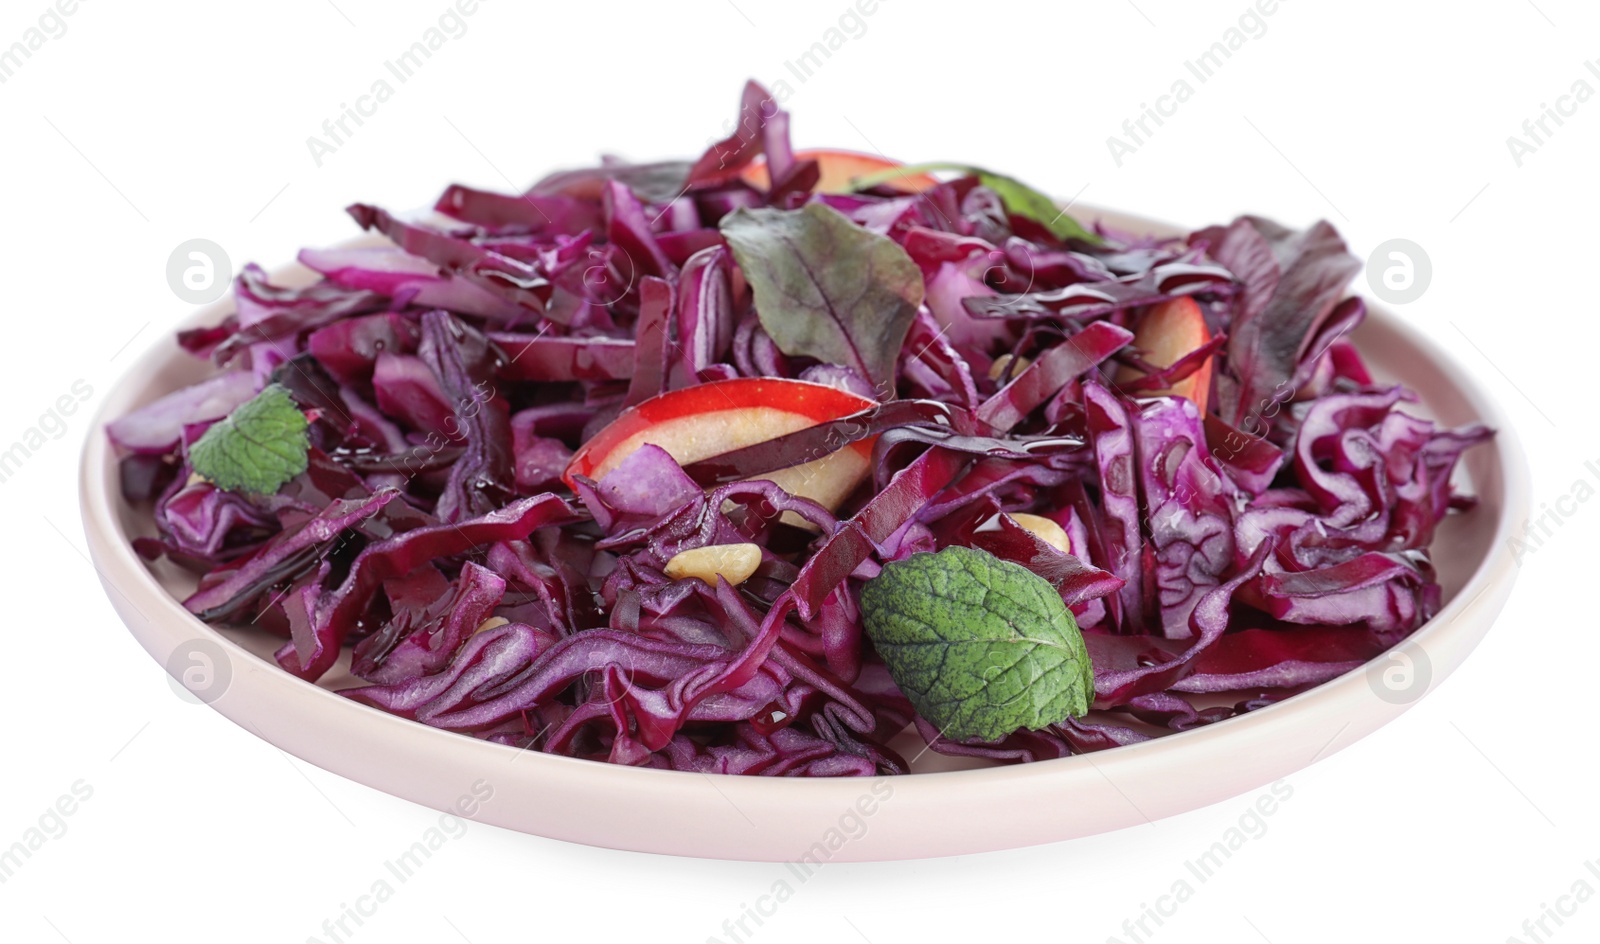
{"points": [[707, 420], [839, 171], [1165, 334]]}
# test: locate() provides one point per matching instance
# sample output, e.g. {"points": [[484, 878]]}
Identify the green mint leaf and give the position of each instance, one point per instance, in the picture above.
{"points": [[256, 448], [982, 647], [1023, 200], [1019, 198], [827, 288]]}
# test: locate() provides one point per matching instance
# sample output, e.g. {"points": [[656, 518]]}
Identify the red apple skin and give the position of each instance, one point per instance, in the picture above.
{"points": [[703, 421], [839, 169], [1165, 334]]}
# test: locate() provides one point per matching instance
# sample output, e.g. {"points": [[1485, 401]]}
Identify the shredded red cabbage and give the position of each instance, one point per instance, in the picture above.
{"points": [[1230, 543]]}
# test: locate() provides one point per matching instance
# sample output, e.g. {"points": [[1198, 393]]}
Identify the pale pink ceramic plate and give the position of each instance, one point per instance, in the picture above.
{"points": [[939, 810]]}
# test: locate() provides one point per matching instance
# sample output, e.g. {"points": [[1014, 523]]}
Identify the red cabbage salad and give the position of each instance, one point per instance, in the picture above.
{"points": [[749, 464]]}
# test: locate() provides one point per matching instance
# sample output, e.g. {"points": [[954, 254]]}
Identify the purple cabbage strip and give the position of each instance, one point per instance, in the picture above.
{"points": [[1110, 424], [515, 281], [463, 362], [397, 274], [157, 427]]}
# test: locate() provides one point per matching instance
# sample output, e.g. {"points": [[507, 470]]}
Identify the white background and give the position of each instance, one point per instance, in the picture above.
{"points": [[149, 124]]}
